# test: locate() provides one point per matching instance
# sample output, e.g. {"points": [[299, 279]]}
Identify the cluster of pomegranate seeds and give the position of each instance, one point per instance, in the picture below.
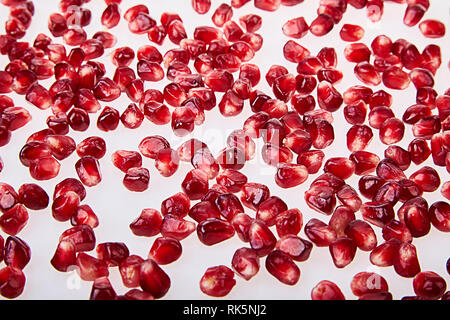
{"points": [[216, 200]]}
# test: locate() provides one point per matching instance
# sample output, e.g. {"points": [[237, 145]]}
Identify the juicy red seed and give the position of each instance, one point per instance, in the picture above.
{"points": [[88, 171], [222, 14], [84, 215], [232, 180], [241, 224], [245, 263], [362, 234], [213, 230], [357, 52], [439, 214], [153, 279], [295, 28], [167, 162], [322, 133], [17, 252], [45, 168], [253, 194], [342, 251], [201, 6], [392, 131], [64, 207], [427, 178], [137, 179], [68, 185], [13, 281], [113, 253], [406, 263], [432, 28], [141, 23], [82, 237], [195, 184], [319, 233], [92, 146], [378, 214], [217, 281], [165, 250], [341, 217], [124, 160], [148, 224], [261, 238], [33, 196], [321, 199], [57, 24], [295, 247], [396, 230], [419, 151], [64, 256], [400, 156], [294, 52], [395, 78], [326, 290], [340, 167], [328, 97], [429, 285], [178, 204], [426, 127], [312, 160], [283, 268], [322, 25], [367, 283], [351, 33], [290, 175]]}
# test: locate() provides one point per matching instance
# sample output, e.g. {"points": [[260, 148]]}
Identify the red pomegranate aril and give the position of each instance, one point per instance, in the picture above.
{"points": [[39, 97], [245, 263], [400, 156], [111, 16], [82, 237], [322, 25], [439, 214], [319, 233], [415, 113], [64, 257], [204, 210], [33, 151], [253, 194], [148, 224], [106, 90], [369, 185], [241, 224], [213, 230], [155, 112], [294, 52], [379, 214], [396, 230], [132, 12], [283, 268], [113, 253], [406, 263], [351, 33], [328, 97], [432, 28], [92, 146], [167, 162], [84, 215], [222, 14], [124, 160], [33, 196], [88, 171], [427, 178], [322, 133], [130, 271], [137, 179], [290, 175], [426, 127], [195, 184], [343, 251], [45, 168], [68, 185], [296, 248], [295, 28], [367, 73], [65, 206], [141, 23], [165, 250], [57, 24], [228, 205], [102, 290], [326, 290], [340, 167], [349, 197], [201, 6], [261, 238], [365, 283], [231, 179], [93, 49], [429, 285], [132, 117], [217, 281], [321, 199], [17, 252], [419, 151], [274, 155], [357, 52], [312, 160], [12, 282], [14, 219], [91, 268], [341, 217], [426, 96], [362, 234], [392, 131], [177, 228], [60, 146]]}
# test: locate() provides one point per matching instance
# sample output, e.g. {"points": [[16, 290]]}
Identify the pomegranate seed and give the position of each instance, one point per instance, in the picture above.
{"points": [[153, 279], [439, 214], [295, 28], [421, 78], [68, 185], [141, 23], [432, 28], [426, 127], [283, 268], [392, 131], [429, 285], [368, 283], [165, 250], [64, 207], [274, 155], [81, 236], [419, 151], [93, 49], [102, 290], [290, 175], [137, 179], [124, 160], [400, 156], [88, 171], [12, 282], [326, 290], [319, 233], [201, 6], [362, 234], [113, 253], [322, 133], [245, 263], [167, 162], [57, 24], [268, 5], [351, 33], [296, 248], [261, 238], [222, 14], [396, 230], [427, 178], [176, 227], [342, 251], [130, 271], [92, 146], [212, 231], [253, 194], [45, 168], [107, 39], [328, 97], [322, 25], [406, 263], [357, 52], [148, 224], [64, 257], [341, 217], [293, 52], [132, 12], [204, 210], [312, 160], [84, 216], [217, 281], [17, 252], [31, 196]]}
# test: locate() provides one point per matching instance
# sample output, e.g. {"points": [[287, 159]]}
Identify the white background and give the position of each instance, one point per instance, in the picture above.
{"points": [[117, 207]]}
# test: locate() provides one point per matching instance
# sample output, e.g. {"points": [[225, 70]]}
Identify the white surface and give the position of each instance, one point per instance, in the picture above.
{"points": [[117, 207]]}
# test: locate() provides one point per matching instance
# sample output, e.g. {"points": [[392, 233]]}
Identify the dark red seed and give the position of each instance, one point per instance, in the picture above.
{"points": [[148, 224], [362, 234], [326, 290], [33, 196], [217, 281]]}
